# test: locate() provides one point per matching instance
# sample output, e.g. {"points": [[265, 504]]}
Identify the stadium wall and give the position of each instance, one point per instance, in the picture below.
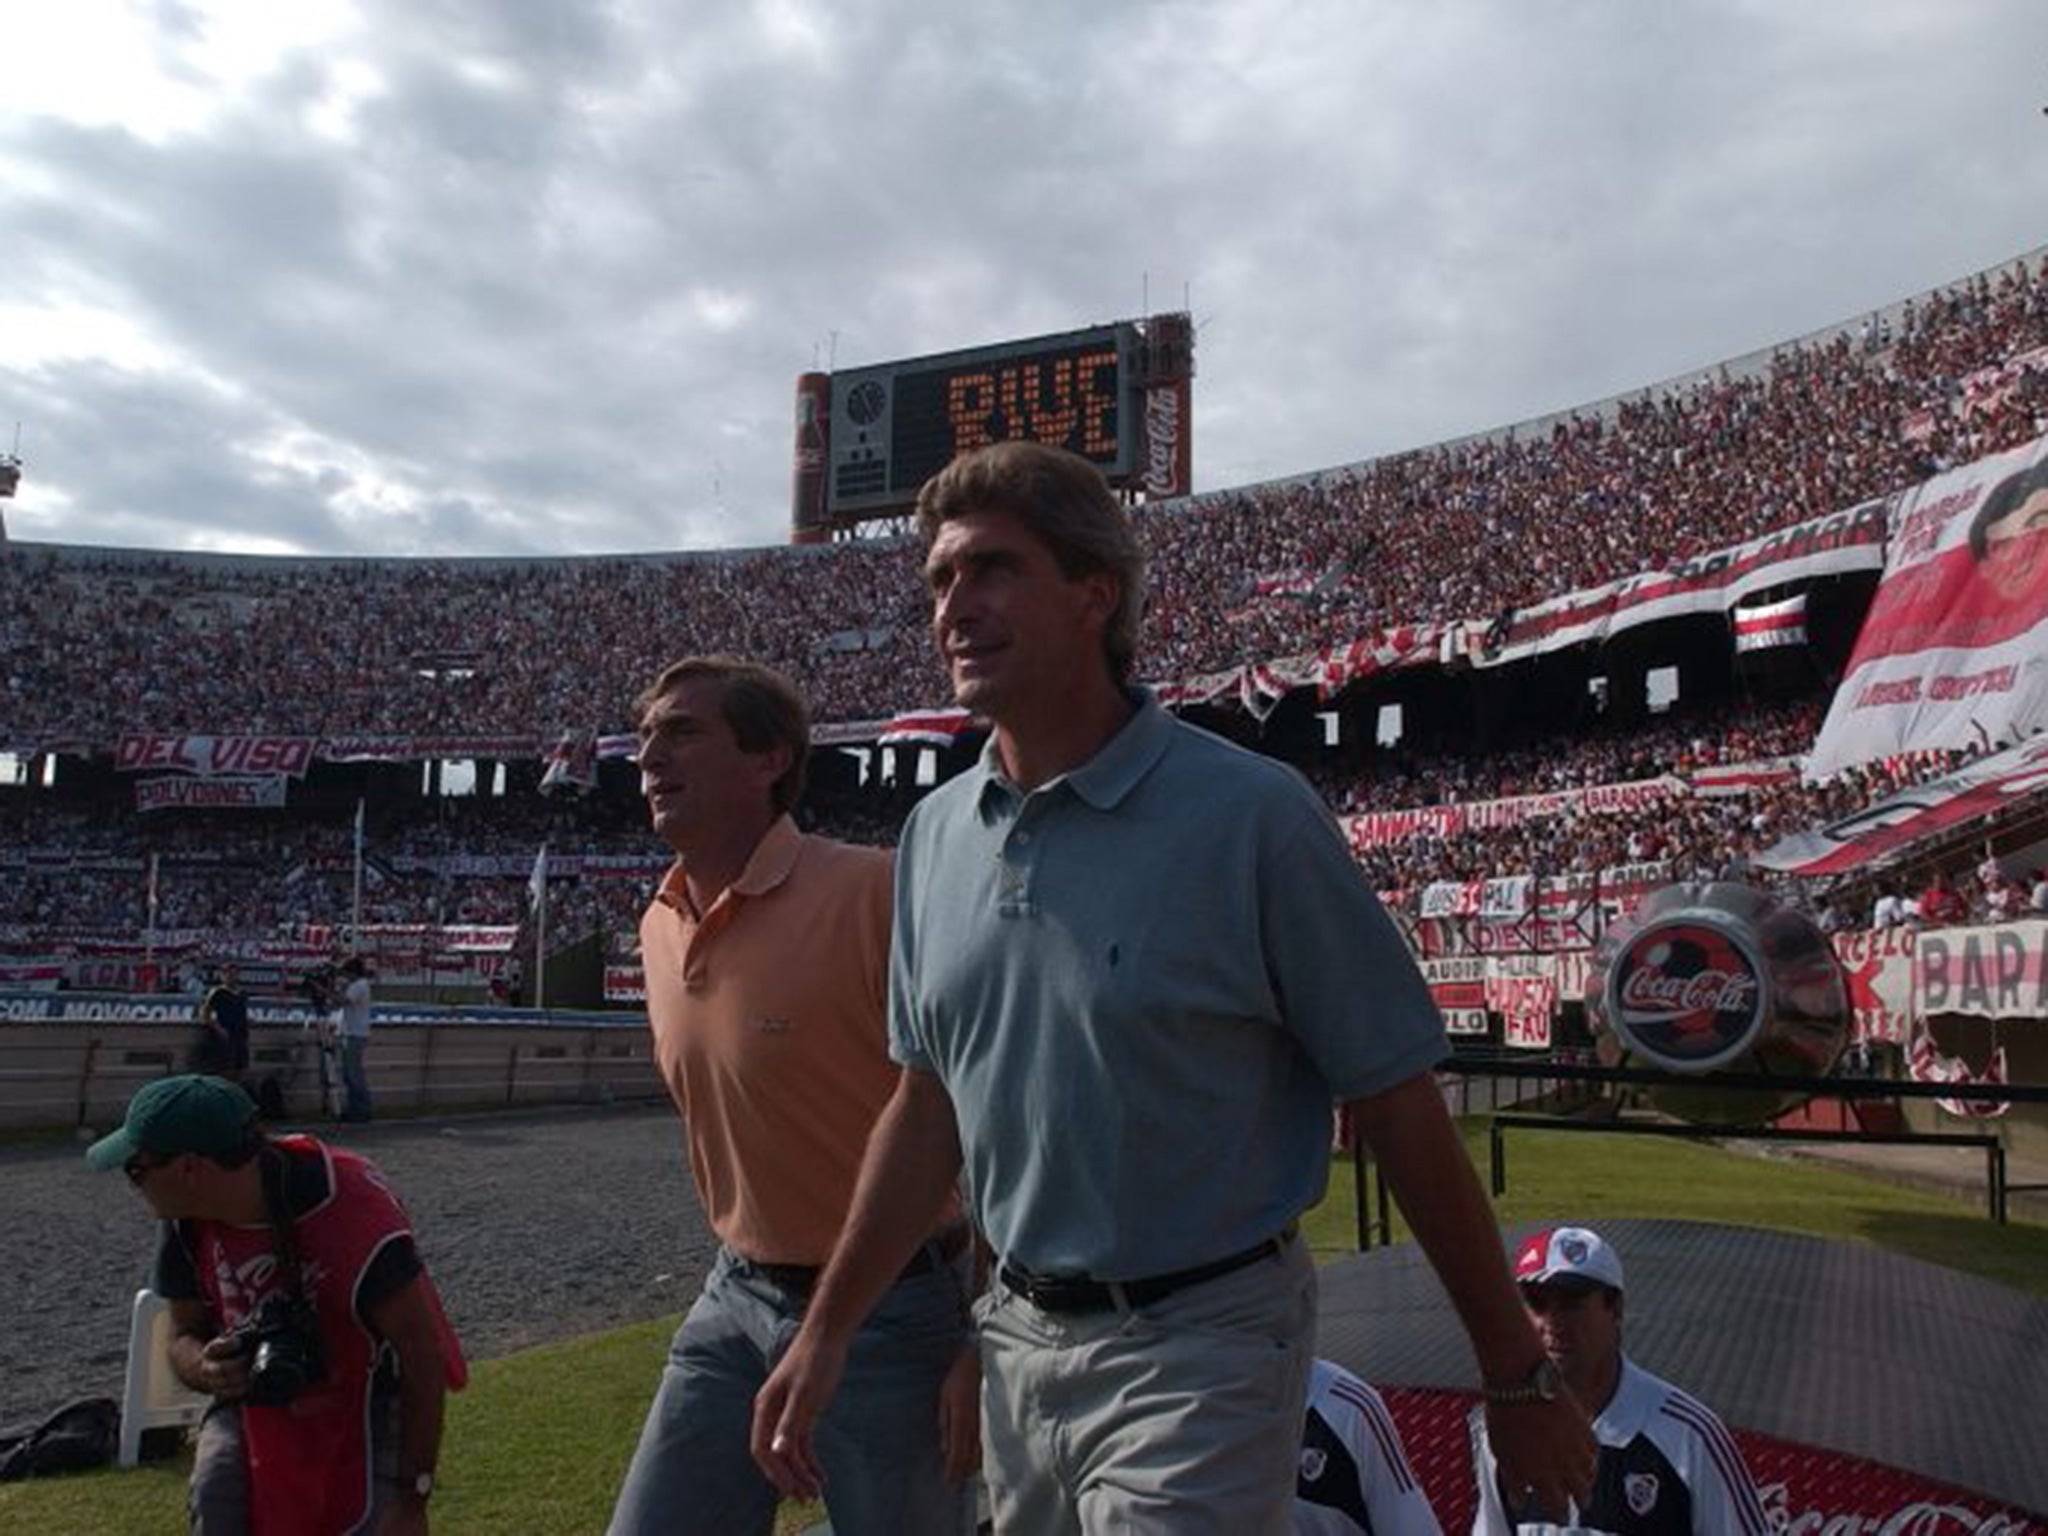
{"points": [[62, 1072]]}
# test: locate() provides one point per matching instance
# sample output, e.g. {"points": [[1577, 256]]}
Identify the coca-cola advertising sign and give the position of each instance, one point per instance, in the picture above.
{"points": [[1168, 469], [1687, 995]]}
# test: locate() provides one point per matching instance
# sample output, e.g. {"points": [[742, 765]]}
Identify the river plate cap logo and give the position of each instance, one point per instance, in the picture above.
{"points": [[1687, 994]]}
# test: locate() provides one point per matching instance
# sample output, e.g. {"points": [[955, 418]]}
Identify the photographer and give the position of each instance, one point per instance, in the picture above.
{"points": [[299, 1302]]}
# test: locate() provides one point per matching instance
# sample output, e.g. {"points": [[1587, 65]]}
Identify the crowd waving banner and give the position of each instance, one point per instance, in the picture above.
{"points": [[1925, 1063], [210, 757], [1994, 972], [1840, 542], [1880, 832], [1379, 829], [1769, 626], [1951, 654], [176, 794], [928, 727], [1878, 965]]}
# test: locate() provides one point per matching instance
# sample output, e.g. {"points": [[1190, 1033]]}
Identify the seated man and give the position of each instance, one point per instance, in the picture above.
{"points": [[1666, 1463], [1354, 1477], [299, 1303]]}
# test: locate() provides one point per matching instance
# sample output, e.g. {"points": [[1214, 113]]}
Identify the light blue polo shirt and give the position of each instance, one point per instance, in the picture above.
{"points": [[1142, 985]]}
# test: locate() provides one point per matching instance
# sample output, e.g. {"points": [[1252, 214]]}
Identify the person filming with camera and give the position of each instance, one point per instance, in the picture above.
{"points": [[299, 1303]]}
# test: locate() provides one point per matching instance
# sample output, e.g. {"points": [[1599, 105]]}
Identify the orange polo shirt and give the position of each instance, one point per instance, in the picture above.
{"points": [[768, 1018]]}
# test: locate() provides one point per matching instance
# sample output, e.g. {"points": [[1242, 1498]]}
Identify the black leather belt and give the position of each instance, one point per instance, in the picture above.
{"points": [[945, 1245], [1084, 1293]]}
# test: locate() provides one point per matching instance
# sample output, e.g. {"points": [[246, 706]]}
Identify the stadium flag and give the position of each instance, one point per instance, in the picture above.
{"points": [[1948, 654], [1925, 1064], [1719, 780], [572, 765], [1765, 626], [537, 888], [1260, 690], [537, 882], [928, 727], [1992, 786], [355, 929]]}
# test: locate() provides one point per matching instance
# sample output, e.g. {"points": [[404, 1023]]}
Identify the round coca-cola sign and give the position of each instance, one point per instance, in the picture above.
{"points": [[1688, 995]]}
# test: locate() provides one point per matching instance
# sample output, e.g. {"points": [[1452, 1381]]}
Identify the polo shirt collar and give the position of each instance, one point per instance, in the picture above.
{"points": [[1628, 1411], [1107, 777], [769, 865]]}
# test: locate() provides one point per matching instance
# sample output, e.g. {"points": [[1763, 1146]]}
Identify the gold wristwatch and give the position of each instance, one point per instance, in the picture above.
{"points": [[1541, 1385]]}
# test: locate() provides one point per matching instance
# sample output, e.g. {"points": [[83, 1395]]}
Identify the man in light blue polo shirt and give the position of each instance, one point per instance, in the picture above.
{"points": [[1133, 966]]}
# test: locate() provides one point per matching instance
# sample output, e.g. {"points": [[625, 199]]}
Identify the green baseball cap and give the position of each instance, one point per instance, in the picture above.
{"points": [[174, 1115]]}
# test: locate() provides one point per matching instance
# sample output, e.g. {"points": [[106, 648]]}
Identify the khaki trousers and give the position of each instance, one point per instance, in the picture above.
{"points": [[1183, 1416]]}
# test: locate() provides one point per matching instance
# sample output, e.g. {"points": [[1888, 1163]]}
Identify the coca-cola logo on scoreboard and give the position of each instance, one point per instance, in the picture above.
{"points": [[1686, 995]]}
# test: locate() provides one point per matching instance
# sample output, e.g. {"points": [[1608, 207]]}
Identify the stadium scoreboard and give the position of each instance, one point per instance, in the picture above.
{"points": [[868, 438]]}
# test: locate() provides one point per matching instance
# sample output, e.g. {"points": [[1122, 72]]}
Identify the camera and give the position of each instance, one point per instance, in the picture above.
{"points": [[319, 987], [281, 1340]]}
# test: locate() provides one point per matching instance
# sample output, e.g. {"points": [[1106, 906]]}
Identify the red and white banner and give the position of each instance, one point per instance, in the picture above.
{"points": [[1985, 788], [1567, 912], [1720, 780], [482, 938], [211, 757], [209, 794], [571, 766], [1522, 989], [31, 975], [625, 984], [1851, 540], [1458, 984], [1764, 626], [928, 727], [414, 749], [1878, 966], [1926, 1064], [1998, 972], [1259, 686], [1379, 829], [1950, 649]]}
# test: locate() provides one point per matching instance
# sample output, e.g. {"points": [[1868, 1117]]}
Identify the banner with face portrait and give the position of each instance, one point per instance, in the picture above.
{"points": [[1954, 650]]}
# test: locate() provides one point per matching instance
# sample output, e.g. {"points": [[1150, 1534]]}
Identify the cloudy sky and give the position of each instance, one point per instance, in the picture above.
{"points": [[537, 276]]}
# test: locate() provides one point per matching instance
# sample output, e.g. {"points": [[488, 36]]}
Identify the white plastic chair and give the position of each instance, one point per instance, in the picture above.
{"points": [[152, 1395]]}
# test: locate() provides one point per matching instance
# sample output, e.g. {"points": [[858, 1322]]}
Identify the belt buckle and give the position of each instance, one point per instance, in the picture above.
{"points": [[1064, 1293]]}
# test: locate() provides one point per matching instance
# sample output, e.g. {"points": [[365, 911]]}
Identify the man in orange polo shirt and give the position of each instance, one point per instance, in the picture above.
{"points": [[766, 954]]}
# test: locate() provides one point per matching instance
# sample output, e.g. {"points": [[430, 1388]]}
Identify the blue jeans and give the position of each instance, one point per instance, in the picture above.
{"points": [[878, 1443], [355, 1081]]}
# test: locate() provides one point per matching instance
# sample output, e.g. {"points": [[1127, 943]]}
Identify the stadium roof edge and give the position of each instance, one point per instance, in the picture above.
{"points": [[208, 559]]}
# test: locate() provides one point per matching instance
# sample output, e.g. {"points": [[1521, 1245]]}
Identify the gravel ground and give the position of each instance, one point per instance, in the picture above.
{"points": [[536, 1226]]}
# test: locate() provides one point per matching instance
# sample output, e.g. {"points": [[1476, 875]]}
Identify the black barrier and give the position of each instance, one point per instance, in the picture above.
{"points": [[1998, 1189], [1815, 1087]]}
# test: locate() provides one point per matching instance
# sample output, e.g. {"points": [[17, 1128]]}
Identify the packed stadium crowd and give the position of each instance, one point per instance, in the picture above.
{"points": [[91, 649], [1698, 836], [95, 648], [469, 861]]}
